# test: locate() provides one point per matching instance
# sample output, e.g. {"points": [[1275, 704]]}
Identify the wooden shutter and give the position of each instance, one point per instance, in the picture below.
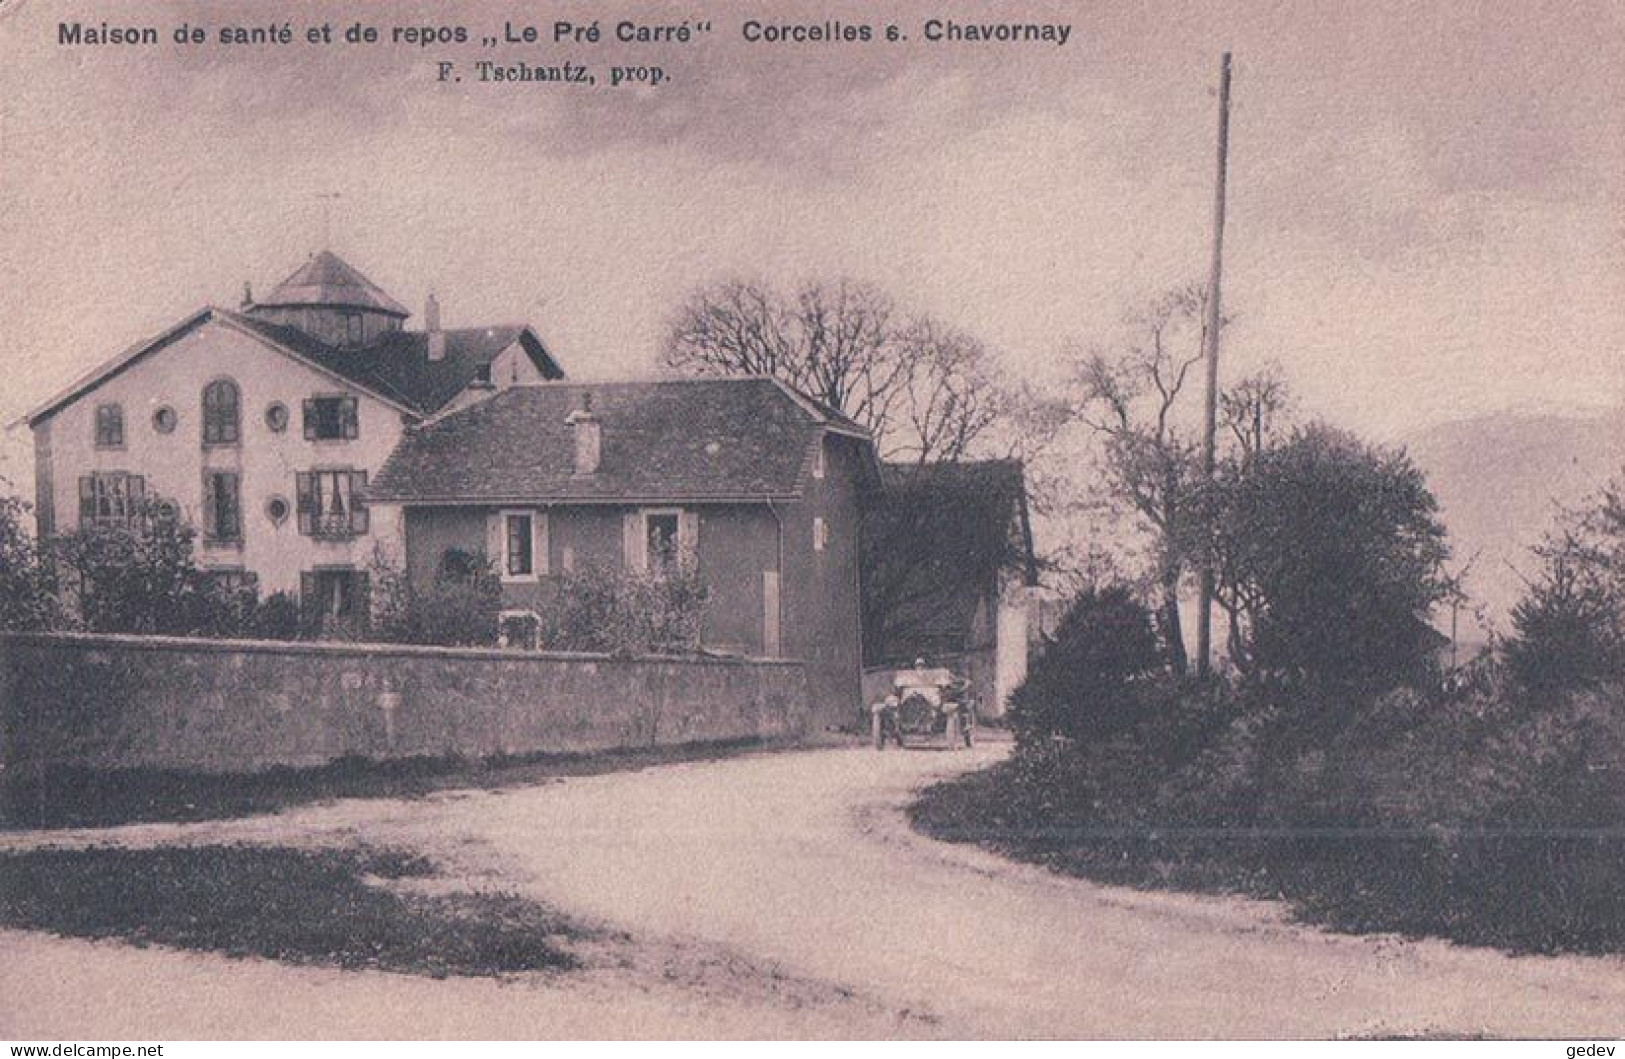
{"points": [[363, 598], [351, 421], [360, 516], [309, 606], [308, 411], [634, 554], [87, 501], [496, 540], [688, 539], [305, 490], [538, 544], [230, 528], [211, 509]]}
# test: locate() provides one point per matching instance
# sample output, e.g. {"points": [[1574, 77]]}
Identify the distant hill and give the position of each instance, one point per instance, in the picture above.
{"points": [[1499, 479]]}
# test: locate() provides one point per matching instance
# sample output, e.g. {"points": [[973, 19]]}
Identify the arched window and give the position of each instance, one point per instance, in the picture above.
{"points": [[220, 419]]}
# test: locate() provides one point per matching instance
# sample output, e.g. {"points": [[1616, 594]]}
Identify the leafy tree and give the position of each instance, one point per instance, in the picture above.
{"points": [[142, 578], [28, 584], [924, 389], [1086, 683], [1329, 557], [1570, 625]]}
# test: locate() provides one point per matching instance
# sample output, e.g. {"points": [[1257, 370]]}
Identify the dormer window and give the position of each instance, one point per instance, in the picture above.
{"points": [[353, 329], [109, 426], [331, 419], [221, 423]]}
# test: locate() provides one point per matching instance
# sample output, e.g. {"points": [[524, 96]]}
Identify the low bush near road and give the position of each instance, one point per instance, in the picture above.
{"points": [[1476, 817]]}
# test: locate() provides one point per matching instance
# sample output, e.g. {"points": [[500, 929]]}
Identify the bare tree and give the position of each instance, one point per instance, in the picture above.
{"points": [[1129, 399], [1254, 409], [922, 387]]}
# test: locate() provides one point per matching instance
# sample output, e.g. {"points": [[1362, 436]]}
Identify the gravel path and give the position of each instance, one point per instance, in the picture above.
{"points": [[783, 895]]}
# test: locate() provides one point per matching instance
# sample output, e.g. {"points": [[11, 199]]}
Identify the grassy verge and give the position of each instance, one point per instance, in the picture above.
{"points": [[299, 906], [86, 798], [1525, 885]]}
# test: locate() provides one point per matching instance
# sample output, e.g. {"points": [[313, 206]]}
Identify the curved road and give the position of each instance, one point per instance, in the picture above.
{"points": [[783, 895]]}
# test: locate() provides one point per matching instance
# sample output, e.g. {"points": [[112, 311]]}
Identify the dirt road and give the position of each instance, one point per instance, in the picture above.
{"points": [[783, 895]]}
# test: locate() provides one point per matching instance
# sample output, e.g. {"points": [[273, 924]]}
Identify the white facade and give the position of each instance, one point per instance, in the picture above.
{"points": [[265, 461]]}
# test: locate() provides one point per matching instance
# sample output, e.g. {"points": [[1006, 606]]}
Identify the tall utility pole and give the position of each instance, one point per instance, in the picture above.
{"points": [[1210, 335]]}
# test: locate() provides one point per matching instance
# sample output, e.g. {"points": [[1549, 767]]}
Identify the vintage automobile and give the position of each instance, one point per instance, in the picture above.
{"points": [[926, 703]]}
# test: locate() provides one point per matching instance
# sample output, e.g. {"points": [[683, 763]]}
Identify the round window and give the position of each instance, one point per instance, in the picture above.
{"points": [[276, 417], [276, 509], [163, 420]]}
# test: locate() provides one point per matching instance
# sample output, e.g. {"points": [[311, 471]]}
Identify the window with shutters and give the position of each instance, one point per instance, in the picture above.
{"points": [[518, 543], [331, 419], [332, 504], [110, 498], [222, 507], [109, 426], [222, 422], [519, 551]]}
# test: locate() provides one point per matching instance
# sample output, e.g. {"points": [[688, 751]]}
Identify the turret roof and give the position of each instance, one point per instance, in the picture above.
{"points": [[328, 280]]}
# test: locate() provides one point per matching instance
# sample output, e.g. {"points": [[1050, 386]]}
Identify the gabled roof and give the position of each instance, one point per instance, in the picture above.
{"points": [[398, 363], [397, 370], [739, 439], [147, 347], [328, 280]]}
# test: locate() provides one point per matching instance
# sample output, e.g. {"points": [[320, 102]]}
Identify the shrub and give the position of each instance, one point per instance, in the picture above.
{"points": [[277, 617], [1570, 626], [599, 608], [28, 585], [1087, 684], [459, 612], [142, 578], [458, 609]]}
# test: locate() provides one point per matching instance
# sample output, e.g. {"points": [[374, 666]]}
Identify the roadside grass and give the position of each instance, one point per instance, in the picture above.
{"points": [[68, 798], [324, 907], [1525, 886]]}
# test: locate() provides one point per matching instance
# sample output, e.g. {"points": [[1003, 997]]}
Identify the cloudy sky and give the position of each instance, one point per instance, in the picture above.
{"points": [[1425, 216]]}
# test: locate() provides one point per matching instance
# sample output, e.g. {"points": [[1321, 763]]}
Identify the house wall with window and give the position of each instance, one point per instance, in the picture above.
{"points": [[731, 545], [783, 576], [237, 479]]}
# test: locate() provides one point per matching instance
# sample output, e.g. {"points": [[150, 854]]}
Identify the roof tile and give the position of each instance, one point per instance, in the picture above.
{"points": [[715, 439]]}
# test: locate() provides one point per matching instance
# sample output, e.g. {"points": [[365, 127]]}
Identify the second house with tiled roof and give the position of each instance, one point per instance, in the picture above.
{"points": [[756, 488]]}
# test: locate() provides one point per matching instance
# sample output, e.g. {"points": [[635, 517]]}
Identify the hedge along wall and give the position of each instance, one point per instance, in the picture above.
{"points": [[240, 706]]}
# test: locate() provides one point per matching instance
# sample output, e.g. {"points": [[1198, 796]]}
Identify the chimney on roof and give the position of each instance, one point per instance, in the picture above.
{"points": [[431, 324], [248, 295], [588, 435]]}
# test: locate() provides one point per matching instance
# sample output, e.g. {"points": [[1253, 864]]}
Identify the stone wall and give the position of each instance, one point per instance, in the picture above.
{"points": [[241, 706]]}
